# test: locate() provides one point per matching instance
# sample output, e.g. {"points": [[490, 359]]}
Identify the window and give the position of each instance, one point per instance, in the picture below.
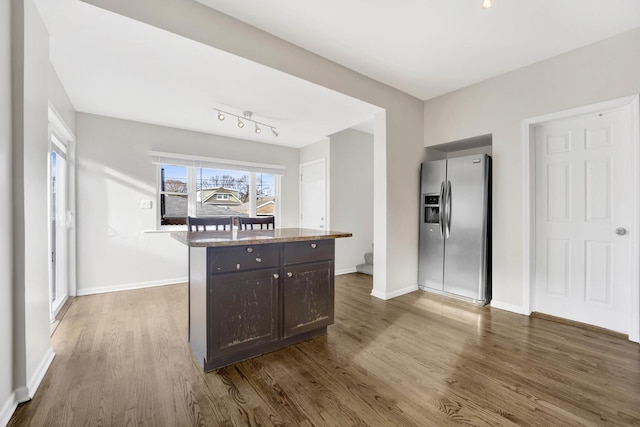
{"points": [[174, 197], [207, 192], [222, 192], [265, 194]]}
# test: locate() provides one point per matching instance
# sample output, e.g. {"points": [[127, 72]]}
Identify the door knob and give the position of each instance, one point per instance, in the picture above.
{"points": [[621, 231]]}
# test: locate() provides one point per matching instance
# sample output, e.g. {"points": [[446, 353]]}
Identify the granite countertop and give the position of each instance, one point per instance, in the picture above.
{"points": [[253, 237]]}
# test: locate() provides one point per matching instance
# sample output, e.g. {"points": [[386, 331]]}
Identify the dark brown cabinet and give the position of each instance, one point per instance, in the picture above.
{"points": [[308, 297], [244, 311], [254, 299]]}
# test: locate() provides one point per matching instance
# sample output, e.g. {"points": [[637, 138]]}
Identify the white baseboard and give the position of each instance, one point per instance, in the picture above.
{"points": [[8, 408], [388, 295], [346, 271], [22, 394], [131, 286], [26, 393], [38, 375], [510, 307]]}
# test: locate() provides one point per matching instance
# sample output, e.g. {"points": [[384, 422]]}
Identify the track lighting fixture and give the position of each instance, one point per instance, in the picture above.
{"points": [[247, 117]]}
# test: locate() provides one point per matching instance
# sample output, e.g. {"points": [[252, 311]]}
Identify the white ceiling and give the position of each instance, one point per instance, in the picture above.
{"points": [[427, 47], [119, 67]]}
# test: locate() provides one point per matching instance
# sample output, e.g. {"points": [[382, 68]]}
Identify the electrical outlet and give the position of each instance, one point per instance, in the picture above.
{"points": [[145, 204]]}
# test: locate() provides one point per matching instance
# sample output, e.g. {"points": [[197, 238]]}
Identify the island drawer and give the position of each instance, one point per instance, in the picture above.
{"points": [[240, 258], [308, 251]]}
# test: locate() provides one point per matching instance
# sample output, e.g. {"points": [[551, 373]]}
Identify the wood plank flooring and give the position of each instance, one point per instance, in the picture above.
{"points": [[122, 359]]}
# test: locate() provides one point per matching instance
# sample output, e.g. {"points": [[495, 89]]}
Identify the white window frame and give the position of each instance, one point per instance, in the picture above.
{"points": [[193, 163]]}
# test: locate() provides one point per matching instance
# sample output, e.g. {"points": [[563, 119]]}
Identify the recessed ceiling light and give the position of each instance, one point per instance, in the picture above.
{"points": [[486, 4]]}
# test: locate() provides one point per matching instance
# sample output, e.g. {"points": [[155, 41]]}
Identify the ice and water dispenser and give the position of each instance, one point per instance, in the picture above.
{"points": [[431, 208]]}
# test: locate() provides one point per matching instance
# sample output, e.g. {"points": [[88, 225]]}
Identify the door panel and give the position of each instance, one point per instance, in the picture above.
{"points": [[431, 259], [465, 249], [313, 193], [583, 271], [59, 280]]}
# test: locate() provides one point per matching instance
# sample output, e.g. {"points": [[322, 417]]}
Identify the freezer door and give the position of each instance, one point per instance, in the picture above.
{"points": [[465, 266], [431, 250]]}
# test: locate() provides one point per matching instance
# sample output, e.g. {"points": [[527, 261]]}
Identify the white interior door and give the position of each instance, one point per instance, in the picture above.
{"points": [[59, 286], [584, 209], [313, 193]]}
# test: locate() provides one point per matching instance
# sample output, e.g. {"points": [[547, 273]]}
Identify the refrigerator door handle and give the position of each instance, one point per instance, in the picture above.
{"points": [[441, 210], [448, 209]]}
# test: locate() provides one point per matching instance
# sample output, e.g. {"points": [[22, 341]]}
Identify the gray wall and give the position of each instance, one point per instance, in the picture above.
{"points": [[26, 84], [605, 70], [352, 196], [6, 257], [115, 173], [30, 61], [401, 143]]}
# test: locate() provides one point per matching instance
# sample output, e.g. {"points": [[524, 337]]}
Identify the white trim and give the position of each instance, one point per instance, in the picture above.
{"points": [[277, 191], [38, 375], [61, 128], [510, 307], [389, 295], [201, 161], [131, 286], [67, 139], [22, 394], [634, 313], [346, 271], [252, 193], [528, 250], [327, 197], [8, 408]]}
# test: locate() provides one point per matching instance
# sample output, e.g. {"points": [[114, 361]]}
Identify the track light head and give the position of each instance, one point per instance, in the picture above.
{"points": [[247, 116]]}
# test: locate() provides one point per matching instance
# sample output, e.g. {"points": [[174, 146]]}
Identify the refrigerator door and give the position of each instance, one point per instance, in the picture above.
{"points": [[465, 267], [431, 250]]}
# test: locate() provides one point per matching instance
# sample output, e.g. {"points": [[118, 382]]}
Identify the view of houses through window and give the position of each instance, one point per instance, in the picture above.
{"points": [[217, 192]]}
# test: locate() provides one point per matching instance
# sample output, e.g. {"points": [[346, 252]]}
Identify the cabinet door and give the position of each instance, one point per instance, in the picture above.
{"points": [[308, 297], [243, 311]]}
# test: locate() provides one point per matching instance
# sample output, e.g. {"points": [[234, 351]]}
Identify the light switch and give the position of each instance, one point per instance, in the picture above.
{"points": [[145, 204]]}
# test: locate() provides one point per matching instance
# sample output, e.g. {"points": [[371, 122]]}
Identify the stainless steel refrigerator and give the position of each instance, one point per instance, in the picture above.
{"points": [[455, 228]]}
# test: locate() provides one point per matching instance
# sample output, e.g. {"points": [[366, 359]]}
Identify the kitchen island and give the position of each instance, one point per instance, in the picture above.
{"points": [[252, 292]]}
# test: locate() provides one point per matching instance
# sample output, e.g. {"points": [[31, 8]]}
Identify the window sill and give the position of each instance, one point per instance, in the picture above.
{"points": [[165, 230]]}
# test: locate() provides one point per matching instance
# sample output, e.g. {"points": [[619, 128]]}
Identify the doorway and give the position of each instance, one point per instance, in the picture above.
{"points": [[58, 217], [583, 201], [313, 195]]}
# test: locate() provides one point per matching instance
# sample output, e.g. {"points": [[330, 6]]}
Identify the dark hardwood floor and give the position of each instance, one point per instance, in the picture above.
{"points": [[418, 360]]}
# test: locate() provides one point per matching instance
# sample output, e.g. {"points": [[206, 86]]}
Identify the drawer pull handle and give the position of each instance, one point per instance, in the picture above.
{"points": [[289, 274], [276, 276], [313, 245], [249, 250], [258, 259], [237, 266]]}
